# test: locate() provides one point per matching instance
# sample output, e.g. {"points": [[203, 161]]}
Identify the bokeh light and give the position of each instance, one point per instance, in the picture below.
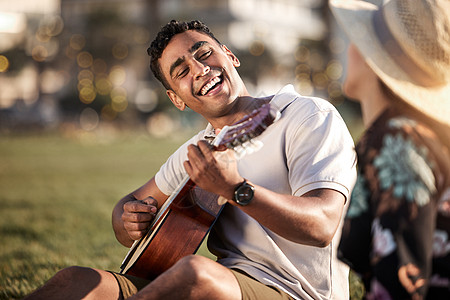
{"points": [[84, 59], [103, 85], [39, 53], [146, 100], [334, 70], [85, 74], [305, 87], [320, 80], [160, 124], [89, 119], [87, 94], [119, 100], [77, 42], [257, 48], [335, 90], [85, 82], [302, 69], [118, 92], [54, 25], [4, 64], [120, 50], [70, 52], [41, 35], [117, 75], [108, 113], [119, 103]]}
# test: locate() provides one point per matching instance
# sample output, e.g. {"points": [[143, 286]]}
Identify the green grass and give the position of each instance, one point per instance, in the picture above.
{"points": [[56, 199]]}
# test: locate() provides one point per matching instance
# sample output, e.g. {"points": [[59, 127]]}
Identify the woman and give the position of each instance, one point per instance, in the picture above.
{"points": [[396, 231]]}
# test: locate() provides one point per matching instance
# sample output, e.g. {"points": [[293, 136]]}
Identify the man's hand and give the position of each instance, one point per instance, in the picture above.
{"points": [[213, 171], [137, 216]]}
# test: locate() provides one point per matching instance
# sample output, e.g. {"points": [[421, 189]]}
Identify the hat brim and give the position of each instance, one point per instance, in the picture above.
{"points": [[356, 18]]}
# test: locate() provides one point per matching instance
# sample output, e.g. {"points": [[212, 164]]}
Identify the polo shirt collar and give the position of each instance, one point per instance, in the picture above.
{"points": [[280, 100]]}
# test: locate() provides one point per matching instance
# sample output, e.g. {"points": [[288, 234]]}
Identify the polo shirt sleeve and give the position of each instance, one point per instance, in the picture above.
{"points": [[320, 152]]}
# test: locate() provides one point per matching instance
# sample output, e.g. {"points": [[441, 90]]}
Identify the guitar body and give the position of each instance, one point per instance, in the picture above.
{"points": [[180, 233]]}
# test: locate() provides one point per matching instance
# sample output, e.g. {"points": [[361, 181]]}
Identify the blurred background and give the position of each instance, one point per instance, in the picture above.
{"points": [[80, 67]]}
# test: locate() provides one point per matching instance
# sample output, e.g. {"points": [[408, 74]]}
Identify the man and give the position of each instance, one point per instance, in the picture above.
{"points": [[282, 243]]}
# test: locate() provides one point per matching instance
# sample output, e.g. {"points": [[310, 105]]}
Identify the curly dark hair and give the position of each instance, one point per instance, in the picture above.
{"points": [[163, 38]]}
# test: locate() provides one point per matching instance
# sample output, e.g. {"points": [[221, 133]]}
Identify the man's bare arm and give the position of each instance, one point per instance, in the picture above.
{"points": [[310, 219]]}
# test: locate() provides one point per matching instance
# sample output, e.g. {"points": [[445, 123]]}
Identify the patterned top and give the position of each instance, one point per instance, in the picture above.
{"points": [[396, 231]]}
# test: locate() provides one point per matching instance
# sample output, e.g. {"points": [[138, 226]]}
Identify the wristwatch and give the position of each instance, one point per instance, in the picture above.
{"points": [[243, 193]]}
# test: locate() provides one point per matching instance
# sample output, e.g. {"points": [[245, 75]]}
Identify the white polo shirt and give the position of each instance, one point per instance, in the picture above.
{"points": [[308, 148]]}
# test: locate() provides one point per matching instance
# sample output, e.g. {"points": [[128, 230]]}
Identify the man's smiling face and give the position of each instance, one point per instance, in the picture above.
{"points": [[201, 74]]}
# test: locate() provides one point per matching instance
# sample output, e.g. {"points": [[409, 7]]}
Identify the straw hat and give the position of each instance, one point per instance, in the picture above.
{"points": [[407, 44]]}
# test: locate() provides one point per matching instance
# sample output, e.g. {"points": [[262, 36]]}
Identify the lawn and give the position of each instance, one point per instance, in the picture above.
{"points": [[56, 198]]}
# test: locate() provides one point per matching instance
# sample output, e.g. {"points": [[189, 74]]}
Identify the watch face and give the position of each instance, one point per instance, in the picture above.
{"points": [[244, 194]]}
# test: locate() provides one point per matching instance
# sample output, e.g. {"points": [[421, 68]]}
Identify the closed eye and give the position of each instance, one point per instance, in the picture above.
{"points": [[183, 73], [205, 54]]}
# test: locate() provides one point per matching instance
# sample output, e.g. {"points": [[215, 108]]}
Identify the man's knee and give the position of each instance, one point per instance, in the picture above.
{"points": [[74, 275], [215, 281], [199, 269], [69, 283]]}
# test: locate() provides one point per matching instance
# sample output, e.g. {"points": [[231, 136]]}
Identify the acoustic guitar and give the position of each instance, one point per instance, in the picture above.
{"points": [[186, 217]]}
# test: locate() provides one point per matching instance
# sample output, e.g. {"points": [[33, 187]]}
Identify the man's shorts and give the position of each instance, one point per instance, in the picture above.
{"points": [[251, 289]]}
